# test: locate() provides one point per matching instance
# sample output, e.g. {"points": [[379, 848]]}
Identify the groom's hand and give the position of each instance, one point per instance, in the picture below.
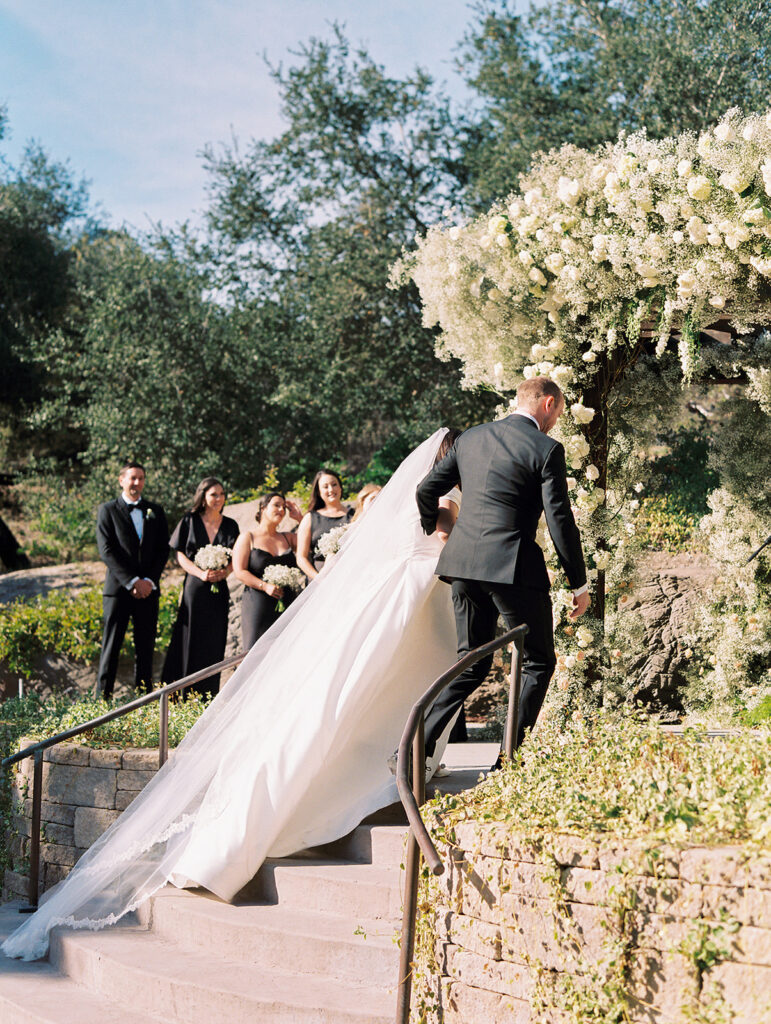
{"points": [[579, 606]]}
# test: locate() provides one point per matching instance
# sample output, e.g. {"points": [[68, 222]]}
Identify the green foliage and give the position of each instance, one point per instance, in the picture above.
{"points": [[664, 524], [619, 773], [759, 715], [581, 71], [66, 624], [61, 519]]}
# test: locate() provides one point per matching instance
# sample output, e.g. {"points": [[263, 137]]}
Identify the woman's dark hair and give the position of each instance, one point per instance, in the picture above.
{"points": [[264, 501], [446, 444], [316, 500], [200, 492]]}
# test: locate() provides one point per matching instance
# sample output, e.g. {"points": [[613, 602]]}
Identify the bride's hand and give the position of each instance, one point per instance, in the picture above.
{"points": [[273, 591]]}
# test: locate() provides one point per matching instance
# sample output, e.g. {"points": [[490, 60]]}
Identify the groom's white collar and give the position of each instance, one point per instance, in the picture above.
{"points": [[521, 412]]}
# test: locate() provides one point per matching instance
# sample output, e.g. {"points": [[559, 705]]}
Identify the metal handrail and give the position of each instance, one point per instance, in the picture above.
{"points": [[413, 796], [36, 750]]}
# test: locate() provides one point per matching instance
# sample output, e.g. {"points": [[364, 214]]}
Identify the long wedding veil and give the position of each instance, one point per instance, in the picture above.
{"points": [[251, 718]]}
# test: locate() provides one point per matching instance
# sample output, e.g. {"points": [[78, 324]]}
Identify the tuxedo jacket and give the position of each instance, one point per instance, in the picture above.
{"points": [[509, 472], [120, 548]]}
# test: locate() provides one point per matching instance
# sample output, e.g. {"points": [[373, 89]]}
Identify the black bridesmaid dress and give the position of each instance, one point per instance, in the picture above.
{"points": [[259, 610], [200, 632], [321, 524]]}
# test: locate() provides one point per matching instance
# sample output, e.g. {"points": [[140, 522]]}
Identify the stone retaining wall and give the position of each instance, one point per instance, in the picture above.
{"points": [[514, 922], [84, 791]]}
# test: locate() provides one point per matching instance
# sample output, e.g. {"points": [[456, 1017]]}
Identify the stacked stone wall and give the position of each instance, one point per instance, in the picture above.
{"points": [[84, 791], [515, 922]]}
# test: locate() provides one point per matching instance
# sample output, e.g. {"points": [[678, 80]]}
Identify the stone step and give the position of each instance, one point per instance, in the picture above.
{"points": [[382, 845], [133, 967], [36, 993], [355, 891], [271, 936]]}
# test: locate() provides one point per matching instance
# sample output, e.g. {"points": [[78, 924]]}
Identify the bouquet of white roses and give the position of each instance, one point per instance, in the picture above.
{"points": [[328, 544], [285, 576], [213, 556]]}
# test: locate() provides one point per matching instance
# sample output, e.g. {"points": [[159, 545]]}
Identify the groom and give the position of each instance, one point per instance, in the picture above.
{"points": [[509, 471], [133, 541]]}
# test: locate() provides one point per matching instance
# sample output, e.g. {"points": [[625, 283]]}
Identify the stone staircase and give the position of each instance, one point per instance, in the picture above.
{"points": [[311, 940]]}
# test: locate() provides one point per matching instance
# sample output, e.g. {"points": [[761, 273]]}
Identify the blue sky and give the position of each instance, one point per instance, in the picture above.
{"points": [[129, 91]]}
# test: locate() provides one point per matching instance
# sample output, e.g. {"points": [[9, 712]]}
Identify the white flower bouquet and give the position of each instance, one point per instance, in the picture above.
{"points": [[285, 576], [329, 543], [213, 556]]}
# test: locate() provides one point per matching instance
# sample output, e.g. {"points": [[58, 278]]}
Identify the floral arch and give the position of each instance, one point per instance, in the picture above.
{"points": [[640, 250]]}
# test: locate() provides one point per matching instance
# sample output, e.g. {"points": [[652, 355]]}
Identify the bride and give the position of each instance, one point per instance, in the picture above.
{"points": [[293, 751]]}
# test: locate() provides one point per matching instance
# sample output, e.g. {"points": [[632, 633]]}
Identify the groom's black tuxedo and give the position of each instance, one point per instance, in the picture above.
{"points": [[510, 472], [127, 558]]}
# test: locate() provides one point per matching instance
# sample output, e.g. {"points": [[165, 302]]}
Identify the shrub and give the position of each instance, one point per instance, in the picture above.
{"points": [[66, 624]]}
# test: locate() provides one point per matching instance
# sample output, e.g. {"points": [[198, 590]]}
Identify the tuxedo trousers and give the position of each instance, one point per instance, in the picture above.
{"points": [[478, 604], [119, 609]]}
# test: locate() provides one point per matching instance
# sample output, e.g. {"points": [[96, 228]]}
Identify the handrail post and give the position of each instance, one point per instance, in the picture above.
{"points": [[412, 871], [515, 690], [163, 730], [34, 852]]}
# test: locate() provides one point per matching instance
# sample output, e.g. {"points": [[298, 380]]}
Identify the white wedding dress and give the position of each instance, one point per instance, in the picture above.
{"points": [[293, 751]]}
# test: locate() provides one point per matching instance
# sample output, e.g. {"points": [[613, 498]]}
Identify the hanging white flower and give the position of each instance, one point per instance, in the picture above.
{"points": [[582, 414], [592, 473]]}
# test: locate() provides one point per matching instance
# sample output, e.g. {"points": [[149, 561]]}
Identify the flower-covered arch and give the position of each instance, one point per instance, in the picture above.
{"points": [[640, 248]]}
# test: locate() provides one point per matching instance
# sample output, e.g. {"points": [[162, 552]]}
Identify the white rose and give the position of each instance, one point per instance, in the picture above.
{"points": [[699, 187], [568, 191], [654, 165], [485, 242], [677, 237], [592, 473], [704, 146], [754, 215], [570, 661], [697, 230], [765, 170], [734, 181], [533, 196], [748, 132], [684, 168], [611, 182], [496, 225], [529, 372], [537, 276], [725, 133], [525, 258], [581, 413], [571, 482], [455, 233], [539, 352], [503, 241], [545, 368], [584, 636], [515, 209], [555, 261], [686, 284], [602, 559], [626, 166], [498, 371], [589, 357], [562, 376], [717, 301]]}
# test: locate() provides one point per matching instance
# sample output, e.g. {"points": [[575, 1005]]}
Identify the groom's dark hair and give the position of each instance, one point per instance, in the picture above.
{"points": [[130, 464], [536, 388]]}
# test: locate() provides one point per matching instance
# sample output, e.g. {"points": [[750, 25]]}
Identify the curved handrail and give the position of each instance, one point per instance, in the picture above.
{"points": [[35, 751], [147, 698], [406, 793], [412, 797]]}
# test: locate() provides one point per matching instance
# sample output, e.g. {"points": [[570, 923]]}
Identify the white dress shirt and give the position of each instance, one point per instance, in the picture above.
{"points": [[139, 525]]}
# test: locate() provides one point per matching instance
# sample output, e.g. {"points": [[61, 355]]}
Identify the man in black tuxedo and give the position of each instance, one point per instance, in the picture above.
{"points": [[510, 472], [133, 540]]}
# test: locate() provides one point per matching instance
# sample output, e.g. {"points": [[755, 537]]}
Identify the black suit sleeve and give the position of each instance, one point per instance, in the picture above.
{"points": [[160, 543], [442, 478], [112, 554], [559, 517]]}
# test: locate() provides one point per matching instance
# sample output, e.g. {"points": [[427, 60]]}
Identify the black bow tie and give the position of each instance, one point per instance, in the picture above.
{"points": [[132, 505]]}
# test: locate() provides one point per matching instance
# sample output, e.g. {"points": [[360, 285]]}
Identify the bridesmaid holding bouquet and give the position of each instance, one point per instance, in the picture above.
{"points": [[203, 537]]}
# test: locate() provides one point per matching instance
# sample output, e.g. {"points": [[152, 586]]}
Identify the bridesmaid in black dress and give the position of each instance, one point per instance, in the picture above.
{"points": [[200, 632], [254, 552], [325, 512]]}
